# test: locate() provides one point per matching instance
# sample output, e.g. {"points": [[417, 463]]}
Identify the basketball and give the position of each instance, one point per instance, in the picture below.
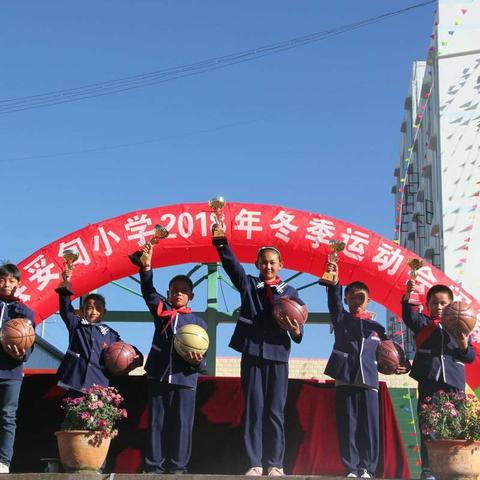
{"points": [[119, 357], [289, 307], [191, 338], [17, 332], [390, 356], [459, 317]]}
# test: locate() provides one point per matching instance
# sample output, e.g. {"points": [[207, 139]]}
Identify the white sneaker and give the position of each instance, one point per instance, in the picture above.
{"points": [[254, 472], [365, 474], [275, 472], [4, 468], [351, 475]]}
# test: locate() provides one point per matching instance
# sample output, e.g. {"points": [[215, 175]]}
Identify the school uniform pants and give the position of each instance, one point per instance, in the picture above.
{"points": [[427, 389], [171, 410], [358, 427], [265, 386], [9, 393]]}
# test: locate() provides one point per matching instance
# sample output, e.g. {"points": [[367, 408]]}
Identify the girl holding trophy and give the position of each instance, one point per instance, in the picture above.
{"points": [[265, 349]]}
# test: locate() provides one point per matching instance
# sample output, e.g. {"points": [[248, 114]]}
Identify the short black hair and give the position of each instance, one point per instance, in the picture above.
{"points": [[440, 288], [357, 286], [97, 297], [181, 278], [8, 269], [272, 249]]}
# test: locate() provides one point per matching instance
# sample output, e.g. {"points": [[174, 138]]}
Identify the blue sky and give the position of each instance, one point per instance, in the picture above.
{"points": [[314, 128]]}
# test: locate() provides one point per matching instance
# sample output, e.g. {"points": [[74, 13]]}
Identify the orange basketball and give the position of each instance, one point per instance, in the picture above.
{"points": [[390, 356], [119, 357], [17, 332], [288, 307], [459, 317]]}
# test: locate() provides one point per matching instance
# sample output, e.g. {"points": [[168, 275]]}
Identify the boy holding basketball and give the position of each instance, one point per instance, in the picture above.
{"points": [[353, 365], [172, 378], [11, 362], [265, 348], [82, 366], [439, 357]]}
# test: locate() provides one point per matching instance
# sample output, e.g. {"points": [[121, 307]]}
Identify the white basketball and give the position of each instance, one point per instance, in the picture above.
{"points": [[191, 338]]}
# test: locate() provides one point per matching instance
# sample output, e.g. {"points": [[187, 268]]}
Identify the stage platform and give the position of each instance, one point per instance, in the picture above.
{"points": [[143, 476], [218, 451]]}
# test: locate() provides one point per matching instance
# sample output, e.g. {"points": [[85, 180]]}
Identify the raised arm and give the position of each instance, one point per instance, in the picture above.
{"points": [[414, 320], [232, 266], [150, 295], [335, 304], [66, 310]]}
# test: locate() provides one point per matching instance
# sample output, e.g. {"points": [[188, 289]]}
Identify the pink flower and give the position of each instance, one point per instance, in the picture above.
{"points": [[102, 423], [124, 413], [85, 416]]}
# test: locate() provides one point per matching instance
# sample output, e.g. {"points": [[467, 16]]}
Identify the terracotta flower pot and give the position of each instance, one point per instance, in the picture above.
{"points": [[454, 459], [82, 450]]}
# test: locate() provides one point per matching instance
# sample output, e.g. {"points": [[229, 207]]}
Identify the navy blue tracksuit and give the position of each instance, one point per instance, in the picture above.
{"points": [[353, 365], [82, 365], [11, 376], [265, 349], [439, 363], [172, 389]]}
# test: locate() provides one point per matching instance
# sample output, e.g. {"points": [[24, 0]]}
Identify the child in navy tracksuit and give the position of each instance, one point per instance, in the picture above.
{"points": [[353, 365], [265, 349], [82, 366], [11, 362], [172, 379], [439, 362]]}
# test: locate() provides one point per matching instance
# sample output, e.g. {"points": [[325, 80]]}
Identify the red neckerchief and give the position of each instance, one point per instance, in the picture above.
{"points": [[361, 316], [268, 287], [171, 314], [424, 334], [10, 298]]}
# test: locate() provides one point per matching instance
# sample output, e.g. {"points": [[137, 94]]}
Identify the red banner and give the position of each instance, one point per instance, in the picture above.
{"points": [[302, 237]]}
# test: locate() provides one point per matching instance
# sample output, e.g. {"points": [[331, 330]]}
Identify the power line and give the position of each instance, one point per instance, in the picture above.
{"points": [[143, 80]]}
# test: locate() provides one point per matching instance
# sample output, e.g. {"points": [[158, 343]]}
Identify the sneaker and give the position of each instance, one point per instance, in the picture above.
{"points": [[4, 468], [427, 474], [275, 472], [254, 472], [366, 474], [351, 475]]}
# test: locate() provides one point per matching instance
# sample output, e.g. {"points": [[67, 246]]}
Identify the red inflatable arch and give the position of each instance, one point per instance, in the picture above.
{"points": [[301, 236]]}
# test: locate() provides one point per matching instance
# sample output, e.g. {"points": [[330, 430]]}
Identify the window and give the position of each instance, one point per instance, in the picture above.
{"points": [[428, 211]]}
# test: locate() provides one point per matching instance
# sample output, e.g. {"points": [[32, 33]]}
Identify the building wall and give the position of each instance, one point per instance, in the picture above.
{"points": [[437, 177]]}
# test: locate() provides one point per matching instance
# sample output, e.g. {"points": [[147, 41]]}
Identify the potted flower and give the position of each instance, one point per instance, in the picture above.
{"points": [[88, 427], [452, 423]]}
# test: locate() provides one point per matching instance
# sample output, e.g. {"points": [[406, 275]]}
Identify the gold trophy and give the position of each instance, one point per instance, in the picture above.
{"points": [[415, 265], [330, 278], [138, 257], [70, 256], [217, 204]]}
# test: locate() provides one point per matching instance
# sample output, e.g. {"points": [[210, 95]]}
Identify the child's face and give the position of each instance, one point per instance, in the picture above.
{"points": [[357, 300], [93, 310], [269, 264], [437, 302], [180, 293], [8, 285]]}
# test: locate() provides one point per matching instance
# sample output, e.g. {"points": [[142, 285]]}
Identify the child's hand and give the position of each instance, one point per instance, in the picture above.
{"points": [[15, 352], [193, 358], [405, 368], [147, 253], [136, 362], [291, 326], [411, 285], [462, 340], [333, 269]]}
